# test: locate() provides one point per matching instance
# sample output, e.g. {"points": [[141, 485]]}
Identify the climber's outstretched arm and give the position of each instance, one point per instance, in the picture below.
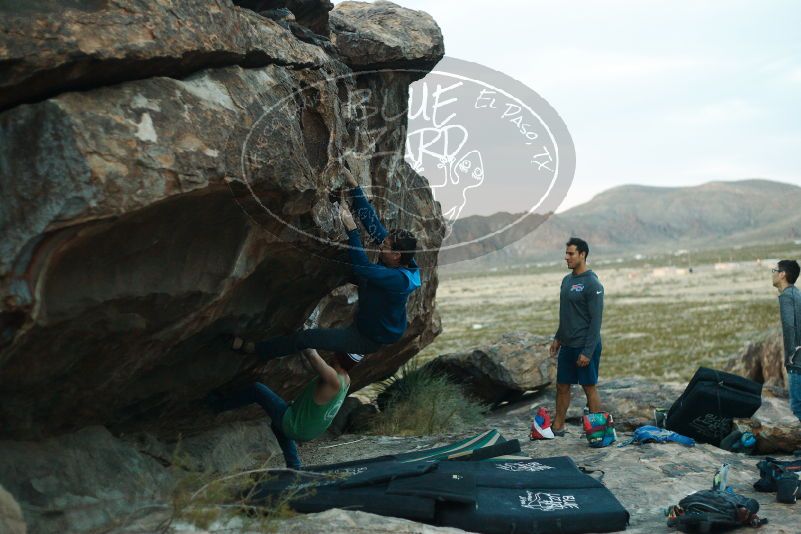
{"points": [[364, 210]]}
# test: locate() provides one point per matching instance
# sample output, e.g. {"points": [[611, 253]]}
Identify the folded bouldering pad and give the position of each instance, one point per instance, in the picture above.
{"points": [[507, 493], [712, 400]]}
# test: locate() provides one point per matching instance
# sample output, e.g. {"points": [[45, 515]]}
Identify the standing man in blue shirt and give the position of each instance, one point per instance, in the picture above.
{"points": [[384, 288], [578, 338], [784, 276]]}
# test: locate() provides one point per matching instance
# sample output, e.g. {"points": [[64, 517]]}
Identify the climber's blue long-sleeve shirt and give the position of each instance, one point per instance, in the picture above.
{"points": [[383, 291]]}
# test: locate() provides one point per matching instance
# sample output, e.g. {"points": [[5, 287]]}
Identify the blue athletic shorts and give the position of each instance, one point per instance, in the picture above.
{"points": [[567, 372]]}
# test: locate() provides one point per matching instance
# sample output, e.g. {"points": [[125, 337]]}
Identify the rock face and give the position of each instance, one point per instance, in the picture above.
{"points": [[312, 14], [90, 481], [141, 220], [762, 361], [360, 33], [90, 44], [502, 371], [80, 482]]}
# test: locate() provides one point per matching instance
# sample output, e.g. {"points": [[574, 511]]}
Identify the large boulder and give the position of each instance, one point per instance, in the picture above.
{"points": [[501, 371], [143, 219], [762, 361]]}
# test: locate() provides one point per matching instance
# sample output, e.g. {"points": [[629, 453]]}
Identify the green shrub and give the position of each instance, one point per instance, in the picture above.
{"points": [[420, 403]]}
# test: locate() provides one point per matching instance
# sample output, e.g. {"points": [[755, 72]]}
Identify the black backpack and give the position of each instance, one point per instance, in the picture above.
{"points": [[713, 511], [770, 469]]}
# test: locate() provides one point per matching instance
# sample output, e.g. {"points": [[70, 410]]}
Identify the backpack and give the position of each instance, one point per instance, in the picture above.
{"points": [[713, 511], [599, 428], [771, 469]]}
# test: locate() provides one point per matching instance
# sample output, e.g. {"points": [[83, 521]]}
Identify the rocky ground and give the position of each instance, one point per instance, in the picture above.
{"points": [[645, 478], [91, 481]]}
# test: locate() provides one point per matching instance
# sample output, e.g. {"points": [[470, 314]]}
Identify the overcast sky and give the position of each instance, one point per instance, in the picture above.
{"points": [[664, 93]]}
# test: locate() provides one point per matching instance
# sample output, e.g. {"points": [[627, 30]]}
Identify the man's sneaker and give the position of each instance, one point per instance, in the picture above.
{"points": [[239, 345], [541, 425]]}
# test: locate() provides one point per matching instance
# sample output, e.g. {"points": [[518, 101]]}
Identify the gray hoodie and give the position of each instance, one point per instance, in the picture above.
{"points": [[581, 307], [790, 311]]}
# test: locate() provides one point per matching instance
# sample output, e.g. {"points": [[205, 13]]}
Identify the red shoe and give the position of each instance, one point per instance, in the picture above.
{"points": [[541, 425]]}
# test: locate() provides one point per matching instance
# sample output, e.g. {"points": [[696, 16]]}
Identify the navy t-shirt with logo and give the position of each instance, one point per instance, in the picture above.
{"points": [[581, 306]]}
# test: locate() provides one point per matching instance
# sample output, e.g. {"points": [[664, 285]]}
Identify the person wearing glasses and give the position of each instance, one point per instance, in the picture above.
{"points": [[384, 288], [784, 276]]}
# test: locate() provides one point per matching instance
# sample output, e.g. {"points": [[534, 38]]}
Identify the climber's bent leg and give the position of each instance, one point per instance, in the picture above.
{"points": [[332, 339]]}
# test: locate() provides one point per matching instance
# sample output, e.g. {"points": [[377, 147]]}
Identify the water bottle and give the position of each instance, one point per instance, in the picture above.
{"points": [[720, 482]]}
